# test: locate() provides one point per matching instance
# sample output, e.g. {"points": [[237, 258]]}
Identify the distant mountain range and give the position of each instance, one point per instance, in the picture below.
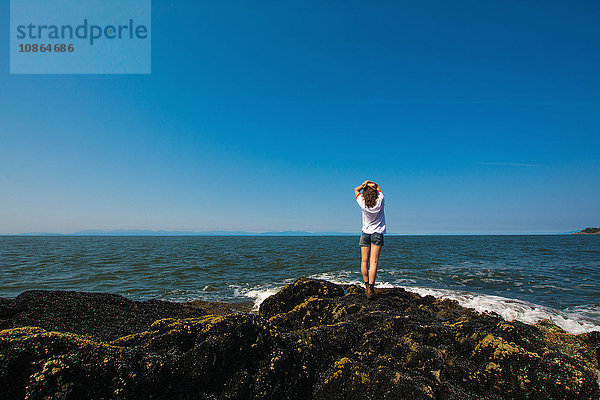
{"points": [[140, 232]]}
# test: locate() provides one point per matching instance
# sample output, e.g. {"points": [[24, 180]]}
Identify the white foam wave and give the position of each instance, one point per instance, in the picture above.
{"points": [[260, 295], [257, 293], [575, 320], [341, 279], [512, 309]]}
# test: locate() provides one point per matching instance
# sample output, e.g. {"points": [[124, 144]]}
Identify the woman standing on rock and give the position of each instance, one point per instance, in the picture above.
{"points": [[373, 227]]}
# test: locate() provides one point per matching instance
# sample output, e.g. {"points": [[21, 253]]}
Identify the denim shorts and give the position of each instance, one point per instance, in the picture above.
{"points": [[369, 239]]}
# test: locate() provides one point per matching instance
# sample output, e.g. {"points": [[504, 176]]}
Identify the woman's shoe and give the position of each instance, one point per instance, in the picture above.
{"points": [[371, 290]]}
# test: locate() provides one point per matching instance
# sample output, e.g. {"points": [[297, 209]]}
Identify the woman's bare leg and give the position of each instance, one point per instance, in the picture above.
{"points": [[364, 262], [375, 252]]}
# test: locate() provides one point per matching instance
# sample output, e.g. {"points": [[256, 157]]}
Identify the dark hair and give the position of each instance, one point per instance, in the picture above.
{"points": [[370, 196]]}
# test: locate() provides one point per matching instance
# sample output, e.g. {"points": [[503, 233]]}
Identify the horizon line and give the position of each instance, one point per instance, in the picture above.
{"points": [[156, 233]]}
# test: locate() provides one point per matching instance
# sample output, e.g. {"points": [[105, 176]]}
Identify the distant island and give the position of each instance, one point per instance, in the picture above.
{"points": [[588, 231]]}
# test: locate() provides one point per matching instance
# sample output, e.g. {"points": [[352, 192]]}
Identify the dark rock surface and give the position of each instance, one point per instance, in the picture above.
{"points": [[313, 339], [101, 315]]}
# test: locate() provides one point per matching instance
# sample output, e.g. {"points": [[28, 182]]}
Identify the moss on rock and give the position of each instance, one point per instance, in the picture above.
{"points": [[313, 339]]}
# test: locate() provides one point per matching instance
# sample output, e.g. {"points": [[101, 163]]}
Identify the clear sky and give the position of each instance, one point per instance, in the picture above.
{"points": [[473, 116]]}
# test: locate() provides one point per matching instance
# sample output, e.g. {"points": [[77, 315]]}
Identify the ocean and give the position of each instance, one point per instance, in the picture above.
{"points": [[522, 277]]}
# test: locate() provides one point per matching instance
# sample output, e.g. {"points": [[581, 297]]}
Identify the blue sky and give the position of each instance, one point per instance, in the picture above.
{"points": [[474, 117]]}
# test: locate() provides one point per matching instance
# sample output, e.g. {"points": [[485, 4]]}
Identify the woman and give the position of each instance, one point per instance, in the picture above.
{"points": [[373, 227]]}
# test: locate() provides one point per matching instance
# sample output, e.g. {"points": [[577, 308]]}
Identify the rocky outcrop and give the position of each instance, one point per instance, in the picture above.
{"points": [[101, 315], [313, 339]]}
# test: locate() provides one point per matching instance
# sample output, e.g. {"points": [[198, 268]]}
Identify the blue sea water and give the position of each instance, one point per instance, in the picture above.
{"points": [[520, 277]]}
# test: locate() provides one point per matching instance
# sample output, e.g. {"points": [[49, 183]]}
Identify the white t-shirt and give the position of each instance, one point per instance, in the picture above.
{"points": [[373, 218]]}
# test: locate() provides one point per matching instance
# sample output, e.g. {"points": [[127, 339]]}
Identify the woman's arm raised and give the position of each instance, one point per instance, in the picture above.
{"points": [[359, 188]]}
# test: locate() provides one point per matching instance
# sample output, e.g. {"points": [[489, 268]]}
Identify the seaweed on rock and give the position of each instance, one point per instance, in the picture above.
{"points": [[313, 339]]}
